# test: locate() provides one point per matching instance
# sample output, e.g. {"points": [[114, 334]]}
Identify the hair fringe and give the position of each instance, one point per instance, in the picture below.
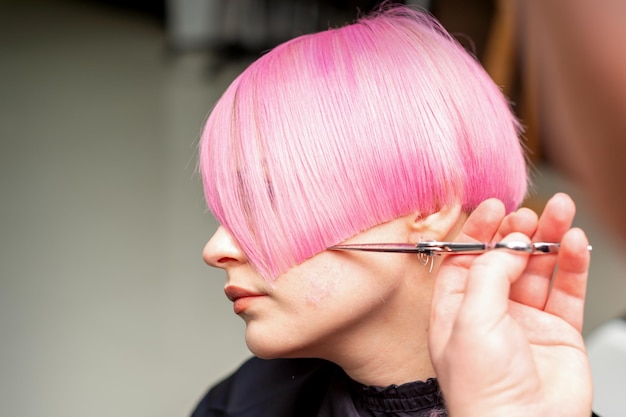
{"points": [[332, 133]]}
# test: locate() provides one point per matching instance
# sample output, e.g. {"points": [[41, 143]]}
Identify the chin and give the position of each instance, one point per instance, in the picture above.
{"points": [[268, 346], [273, 351]]}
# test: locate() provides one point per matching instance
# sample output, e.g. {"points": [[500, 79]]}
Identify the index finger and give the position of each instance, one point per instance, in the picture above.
{"points": [[450, 284]]}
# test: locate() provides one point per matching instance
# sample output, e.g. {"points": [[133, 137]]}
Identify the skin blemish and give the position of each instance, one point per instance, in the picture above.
{"points": [[321, 287]]}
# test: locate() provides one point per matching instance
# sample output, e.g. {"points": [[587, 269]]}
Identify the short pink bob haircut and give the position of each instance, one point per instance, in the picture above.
{"points": [[332, 133]]}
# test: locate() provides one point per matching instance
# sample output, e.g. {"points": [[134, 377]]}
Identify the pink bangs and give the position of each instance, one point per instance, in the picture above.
{"points": [[332, 133]]}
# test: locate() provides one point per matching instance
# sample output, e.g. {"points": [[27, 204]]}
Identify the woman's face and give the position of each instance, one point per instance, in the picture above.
{"points": [[333, 302]]}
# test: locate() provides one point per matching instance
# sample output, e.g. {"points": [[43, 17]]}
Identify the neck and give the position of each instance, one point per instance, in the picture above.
{"points": [[391, 366], [392, 347]]}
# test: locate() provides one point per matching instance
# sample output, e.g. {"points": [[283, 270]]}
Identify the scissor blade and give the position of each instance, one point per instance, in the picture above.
{"points": [[379, 247]]}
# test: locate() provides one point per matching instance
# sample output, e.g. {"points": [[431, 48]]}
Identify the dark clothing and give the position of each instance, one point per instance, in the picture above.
{"points": [[314, 388]]}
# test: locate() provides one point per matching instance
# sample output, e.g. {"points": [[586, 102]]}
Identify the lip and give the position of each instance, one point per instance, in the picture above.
{"points": [[241, 297]]}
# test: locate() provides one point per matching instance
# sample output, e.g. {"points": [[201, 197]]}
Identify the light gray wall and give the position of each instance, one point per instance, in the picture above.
{"points": [[106, 308], [193, 23]]}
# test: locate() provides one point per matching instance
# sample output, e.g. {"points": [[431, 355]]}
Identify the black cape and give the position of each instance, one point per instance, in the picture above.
{"points": [[314, 388]]}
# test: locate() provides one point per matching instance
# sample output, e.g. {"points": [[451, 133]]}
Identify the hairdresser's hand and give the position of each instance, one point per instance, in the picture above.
{"points": [[501, 341], [533, 287]]}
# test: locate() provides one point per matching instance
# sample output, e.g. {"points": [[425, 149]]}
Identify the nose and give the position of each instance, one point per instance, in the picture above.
{"points": [[222, 250]]}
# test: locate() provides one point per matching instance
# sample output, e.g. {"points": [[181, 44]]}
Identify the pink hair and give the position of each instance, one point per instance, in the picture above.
{"points": [[332, 133]]}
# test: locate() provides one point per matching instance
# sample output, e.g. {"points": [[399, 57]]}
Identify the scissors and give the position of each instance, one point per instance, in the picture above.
{"points": [[431, 248]]}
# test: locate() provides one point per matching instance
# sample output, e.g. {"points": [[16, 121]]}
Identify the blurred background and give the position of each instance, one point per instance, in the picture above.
{"points": [[106, 308]]}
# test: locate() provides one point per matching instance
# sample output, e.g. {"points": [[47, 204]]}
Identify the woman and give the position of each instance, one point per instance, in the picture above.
{"points": [[387, 131]]}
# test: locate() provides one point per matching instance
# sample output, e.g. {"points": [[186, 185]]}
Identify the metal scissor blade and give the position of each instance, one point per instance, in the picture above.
{"points": [[379, 247], [429, 248]]}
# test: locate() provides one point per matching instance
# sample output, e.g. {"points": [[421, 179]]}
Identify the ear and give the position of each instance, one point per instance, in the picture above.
{"points": [[442, 225]]}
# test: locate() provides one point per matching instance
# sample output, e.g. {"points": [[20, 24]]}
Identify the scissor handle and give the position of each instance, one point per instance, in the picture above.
{"points": [[459, 248]]}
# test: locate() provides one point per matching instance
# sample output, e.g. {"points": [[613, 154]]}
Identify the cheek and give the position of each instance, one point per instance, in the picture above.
{"points": [[322, 285], [320, 290]]}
